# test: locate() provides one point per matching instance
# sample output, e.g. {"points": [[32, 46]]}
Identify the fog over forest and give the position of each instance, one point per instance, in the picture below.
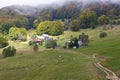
{"points": [[4, 3]]}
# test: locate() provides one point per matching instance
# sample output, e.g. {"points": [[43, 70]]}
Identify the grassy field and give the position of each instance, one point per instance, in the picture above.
{"points": [[60, 64], [23, 47], [49, 65], [107, 48], [93, 35]]}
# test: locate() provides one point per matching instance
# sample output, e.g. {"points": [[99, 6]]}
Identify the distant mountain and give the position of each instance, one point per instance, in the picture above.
{"points": [[68, 9], [20, 10], [24, 16]]}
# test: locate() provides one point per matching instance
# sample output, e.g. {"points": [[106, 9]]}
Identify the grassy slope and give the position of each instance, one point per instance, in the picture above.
{"points": [[108, 47], [23, 47], [48, 65]]}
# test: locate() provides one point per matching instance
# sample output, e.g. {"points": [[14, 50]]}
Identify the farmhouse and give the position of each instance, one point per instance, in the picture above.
{"points": [[40, 39]]}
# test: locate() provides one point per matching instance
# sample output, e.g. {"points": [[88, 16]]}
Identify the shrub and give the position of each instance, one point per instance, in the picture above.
{"points": [[76, 43], [30, 43], [10, 51], [74, 26], [4, 44], [114, 22], [103, 34], [54, 44], [50, 43], [118, 22], [35, 48], [71, 44], [3, 41], [18, 34]]}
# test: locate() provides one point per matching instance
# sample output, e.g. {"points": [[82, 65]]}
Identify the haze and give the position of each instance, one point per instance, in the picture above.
{"points": [[4, 3]]}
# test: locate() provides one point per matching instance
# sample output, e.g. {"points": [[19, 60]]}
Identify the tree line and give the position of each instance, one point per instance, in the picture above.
{"points": [[53, 21]]}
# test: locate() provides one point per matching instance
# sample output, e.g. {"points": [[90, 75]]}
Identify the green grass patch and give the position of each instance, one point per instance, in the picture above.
{"points": [[48, 65], [108, 47]]}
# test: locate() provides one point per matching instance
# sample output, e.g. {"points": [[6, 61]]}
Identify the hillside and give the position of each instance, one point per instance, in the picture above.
{"points": [[29, 16], [60, 64], [107, 49], [71, 8], [45, 40], [49, 65]]}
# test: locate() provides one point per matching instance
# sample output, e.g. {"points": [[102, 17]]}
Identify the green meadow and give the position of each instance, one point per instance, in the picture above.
{"points": [[108, 48], [49, 65], [64, 64]]}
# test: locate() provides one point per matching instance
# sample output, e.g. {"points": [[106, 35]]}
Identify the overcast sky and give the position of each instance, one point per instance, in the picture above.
{"points": [[4, 3]]}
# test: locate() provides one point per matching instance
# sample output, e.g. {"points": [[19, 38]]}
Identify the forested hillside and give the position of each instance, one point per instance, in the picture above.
{"points": [[62, 41], [29, 17]]}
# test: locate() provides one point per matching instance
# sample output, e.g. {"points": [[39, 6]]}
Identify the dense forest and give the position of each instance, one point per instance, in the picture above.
{"points": [[86, 15]]}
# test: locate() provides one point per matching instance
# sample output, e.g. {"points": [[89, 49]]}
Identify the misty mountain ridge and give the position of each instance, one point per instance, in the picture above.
{"points": [[36, 10]]}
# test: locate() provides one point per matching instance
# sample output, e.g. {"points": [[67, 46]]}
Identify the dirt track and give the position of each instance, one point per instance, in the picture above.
{"points": [[109, 74]]}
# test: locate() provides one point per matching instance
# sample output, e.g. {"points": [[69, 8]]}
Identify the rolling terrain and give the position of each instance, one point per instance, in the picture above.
{"points": [[61, 64]]}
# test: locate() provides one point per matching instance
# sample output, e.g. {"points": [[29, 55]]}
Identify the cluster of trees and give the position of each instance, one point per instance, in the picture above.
{"points": [[45, 20], [88, 16], [90, 19], [84, 38], [3, 41], [18, 33], [87, 19], [74, 25], [5, 26], [107, 8], [75, 42], [69, 10], [20, 22], [50, 27]]}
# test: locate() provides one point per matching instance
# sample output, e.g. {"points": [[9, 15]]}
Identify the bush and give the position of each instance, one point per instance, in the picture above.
{"points": [[50, 43], [10, 51], [18, 34], [76, 43], [3, 41], [71, 44], [74, 27], [103, 34], [118, 22], [54, 44], [4, 45], [30, 43], [35, 48]]}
